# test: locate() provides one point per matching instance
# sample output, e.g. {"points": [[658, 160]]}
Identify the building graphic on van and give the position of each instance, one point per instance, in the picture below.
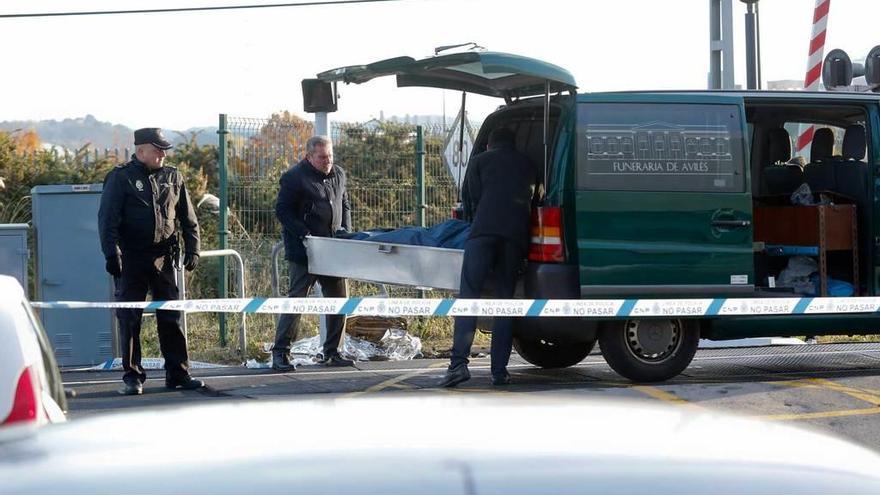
{"points": [[697, 154], [658, 141]]}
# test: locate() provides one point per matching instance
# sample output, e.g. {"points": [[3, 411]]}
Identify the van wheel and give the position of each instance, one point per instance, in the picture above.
{"points": [[550, 354], [649, 350]]}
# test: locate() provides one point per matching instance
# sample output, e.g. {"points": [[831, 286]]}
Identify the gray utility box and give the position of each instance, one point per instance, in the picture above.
{"points": [[70, 267], [14, 254]]}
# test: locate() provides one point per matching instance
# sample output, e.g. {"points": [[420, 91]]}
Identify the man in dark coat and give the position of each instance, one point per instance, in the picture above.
{"points": [[142, 204], [497, 196], [312, 200]]}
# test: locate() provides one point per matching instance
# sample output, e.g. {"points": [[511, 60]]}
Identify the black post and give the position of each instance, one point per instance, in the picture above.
{"points": [[751, 46], [714, 37]]}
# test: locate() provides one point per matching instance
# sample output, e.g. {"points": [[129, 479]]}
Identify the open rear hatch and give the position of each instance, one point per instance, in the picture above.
{"points": [[486, 73], [494, 74]]}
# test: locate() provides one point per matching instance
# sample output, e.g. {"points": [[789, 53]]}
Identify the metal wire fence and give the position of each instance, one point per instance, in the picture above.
{"points": [[380, 162]]}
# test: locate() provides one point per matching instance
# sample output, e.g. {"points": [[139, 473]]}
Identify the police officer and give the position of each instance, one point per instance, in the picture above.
{"points": [[497, 194], [312, 200], [141, 206]]}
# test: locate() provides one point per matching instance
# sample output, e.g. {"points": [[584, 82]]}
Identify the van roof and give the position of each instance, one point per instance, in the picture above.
{"points": [[749, 94]]}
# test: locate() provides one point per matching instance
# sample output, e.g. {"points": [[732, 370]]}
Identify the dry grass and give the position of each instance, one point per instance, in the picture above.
{"points": [[839, 339]]}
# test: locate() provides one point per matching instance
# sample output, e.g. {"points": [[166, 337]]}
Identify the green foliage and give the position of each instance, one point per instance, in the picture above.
{"points": [[198, 164], [21, 169], [380, 162]]}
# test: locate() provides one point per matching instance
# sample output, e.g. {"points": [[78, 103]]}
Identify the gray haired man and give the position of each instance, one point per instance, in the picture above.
{"points": [[312, 200]]}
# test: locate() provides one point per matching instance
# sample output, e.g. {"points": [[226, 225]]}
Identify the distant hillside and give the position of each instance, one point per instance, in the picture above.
{"points": [[73, 134], [76, 133]]}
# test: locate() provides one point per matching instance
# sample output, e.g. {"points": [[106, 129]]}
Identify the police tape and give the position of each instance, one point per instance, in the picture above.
{"points": [[590, 308]]}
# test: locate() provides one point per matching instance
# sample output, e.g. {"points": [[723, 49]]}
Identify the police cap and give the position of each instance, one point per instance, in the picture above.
{"points": [[151, 135]]}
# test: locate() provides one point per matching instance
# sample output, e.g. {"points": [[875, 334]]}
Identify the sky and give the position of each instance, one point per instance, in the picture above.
{"points": [[180, 70]]}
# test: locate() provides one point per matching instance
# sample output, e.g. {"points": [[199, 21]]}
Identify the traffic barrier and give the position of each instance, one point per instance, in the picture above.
{"points": [[814, 65], [589, 308]]}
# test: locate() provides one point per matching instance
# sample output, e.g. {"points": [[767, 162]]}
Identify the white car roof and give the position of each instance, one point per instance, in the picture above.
{"points": [[10, 289], [430, 444]]}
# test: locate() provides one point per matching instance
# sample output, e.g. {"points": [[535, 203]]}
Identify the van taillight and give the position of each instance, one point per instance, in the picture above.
{"points": [[27, 402], [546, 244], [457, 212]]}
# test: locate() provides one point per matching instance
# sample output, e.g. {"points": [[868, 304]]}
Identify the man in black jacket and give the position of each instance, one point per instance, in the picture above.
{"points": [[312, 200], [497, 196], [142, 204]]}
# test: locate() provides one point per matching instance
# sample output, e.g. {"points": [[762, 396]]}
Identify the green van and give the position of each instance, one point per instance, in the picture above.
{"points": [[676, 194]]}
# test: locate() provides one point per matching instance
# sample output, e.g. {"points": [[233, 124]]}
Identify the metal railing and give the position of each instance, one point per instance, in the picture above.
{"points": [[181, 283]]}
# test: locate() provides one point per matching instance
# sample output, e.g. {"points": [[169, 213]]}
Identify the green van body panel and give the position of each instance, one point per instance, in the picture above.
{"points": [[660, 238]]}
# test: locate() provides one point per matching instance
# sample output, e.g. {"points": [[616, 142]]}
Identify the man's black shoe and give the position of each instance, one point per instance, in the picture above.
{"points": [[455, 376], [281, 363], [334, 359], [132, 389], [186, 383], [500, 380]]}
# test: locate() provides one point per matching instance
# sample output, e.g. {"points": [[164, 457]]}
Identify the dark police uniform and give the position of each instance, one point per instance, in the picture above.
{"points": [[497, 196], [138, 217], [310, 203]]}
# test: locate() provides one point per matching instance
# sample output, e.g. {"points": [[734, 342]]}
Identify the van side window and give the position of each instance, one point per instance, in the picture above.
{"points": [[660, 147]]}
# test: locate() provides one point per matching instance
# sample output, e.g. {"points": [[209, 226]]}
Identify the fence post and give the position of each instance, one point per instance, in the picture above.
{"points": [[420, 176], [222, 230]]}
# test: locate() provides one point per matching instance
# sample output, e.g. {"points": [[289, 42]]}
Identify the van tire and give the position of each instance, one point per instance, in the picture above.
{"points": [[649, 350], [552, 354]]}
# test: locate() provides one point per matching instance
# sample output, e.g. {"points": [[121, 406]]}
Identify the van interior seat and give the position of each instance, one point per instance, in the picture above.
{"points": [[819, 173], [851, 178], [822, 147], [850, 172], [779, 176], [854, 143]]}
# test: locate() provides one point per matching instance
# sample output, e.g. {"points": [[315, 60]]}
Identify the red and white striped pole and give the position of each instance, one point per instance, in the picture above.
{"points": [[814, 63]]}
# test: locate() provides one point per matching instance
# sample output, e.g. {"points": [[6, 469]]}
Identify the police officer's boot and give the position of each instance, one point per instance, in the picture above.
{"points": [[281, 361], [455, 375]]}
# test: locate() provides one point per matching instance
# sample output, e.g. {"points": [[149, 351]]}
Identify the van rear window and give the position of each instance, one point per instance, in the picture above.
{"points": [[660, 147]]}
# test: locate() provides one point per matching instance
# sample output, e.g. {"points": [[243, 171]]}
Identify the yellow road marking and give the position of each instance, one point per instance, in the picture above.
{"points": [[858, 393], [397, 379], [818, 415], [456, 390], [401, 386], [663, 395], [868, 396], [808, 383]]}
